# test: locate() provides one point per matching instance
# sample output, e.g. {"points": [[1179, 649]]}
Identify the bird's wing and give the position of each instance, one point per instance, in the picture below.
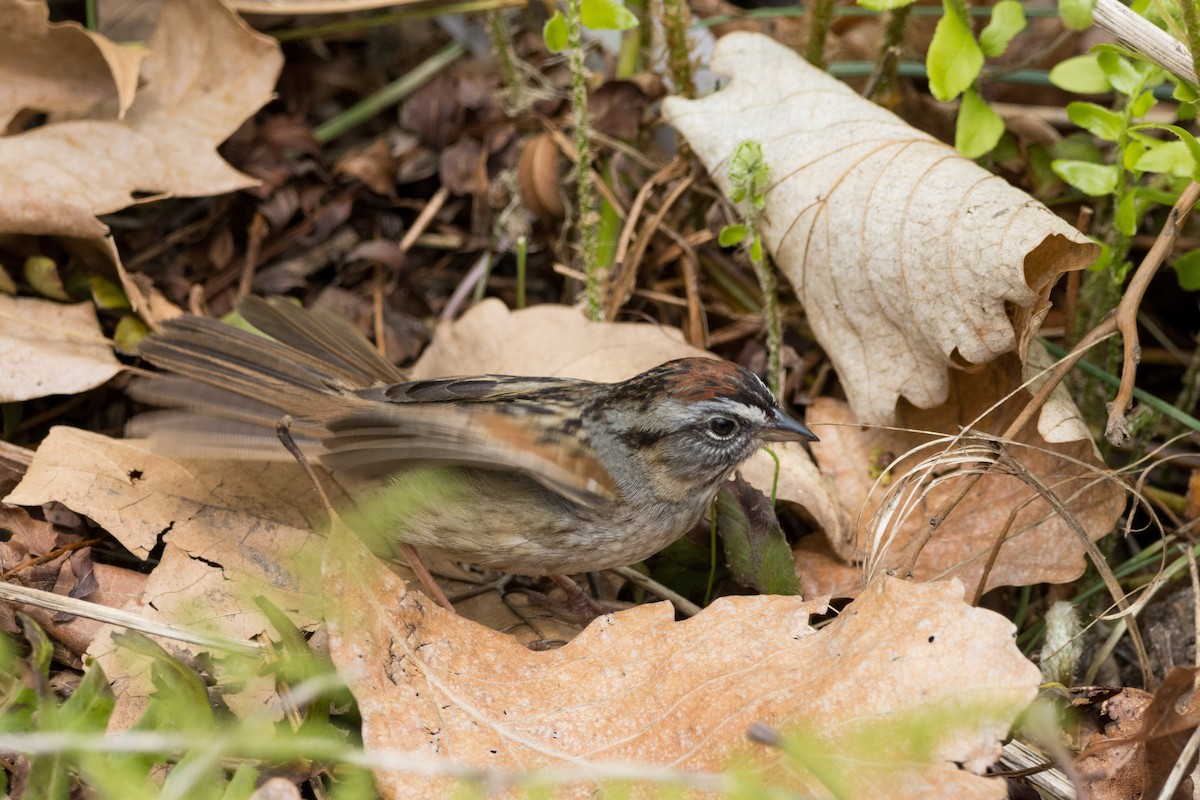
{"points": [[494, 422]]}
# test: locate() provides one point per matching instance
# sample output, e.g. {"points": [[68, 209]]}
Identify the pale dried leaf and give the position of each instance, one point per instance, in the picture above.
{"points": [[1041, 546], [910, 260], [61, 67], [206, 72], [254, 519], [51, 348], [491, 339], [233, 531], [638, 687], [323, 6], [187, 591]]}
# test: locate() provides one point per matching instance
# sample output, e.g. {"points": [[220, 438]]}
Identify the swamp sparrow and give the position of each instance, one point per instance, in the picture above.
{"points": [[526, 475]]}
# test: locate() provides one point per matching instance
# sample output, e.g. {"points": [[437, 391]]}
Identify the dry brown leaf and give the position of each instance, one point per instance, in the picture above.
{"points": [[909, 259], [1131, 739], [924, 277], [252, 518], [233, 531], [329, 6], [24, 561], [61, 67], [373, 164], [1041, 547], [637, 687], [188, 592], [51, 348], [117, 589], [206, 72], [558, 341]]}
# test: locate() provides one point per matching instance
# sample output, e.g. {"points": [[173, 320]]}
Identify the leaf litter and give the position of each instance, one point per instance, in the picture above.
{"points": [[635, 685]]}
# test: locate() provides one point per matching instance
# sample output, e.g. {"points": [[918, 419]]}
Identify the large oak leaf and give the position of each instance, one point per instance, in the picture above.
{"points": [[924, 277], [904, 662], [910, 260], [206, 72]]}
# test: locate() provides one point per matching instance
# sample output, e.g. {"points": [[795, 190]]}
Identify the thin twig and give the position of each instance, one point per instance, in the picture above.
{"points": [[14, 593], [624, 273], [48, 557], [1001, 538], [254, 241], [1117, 429], [1019, 471], [681, 603], [421, 223]]}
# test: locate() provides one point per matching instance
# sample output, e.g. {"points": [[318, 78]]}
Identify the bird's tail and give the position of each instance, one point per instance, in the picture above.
{"points": [[228, 388]]}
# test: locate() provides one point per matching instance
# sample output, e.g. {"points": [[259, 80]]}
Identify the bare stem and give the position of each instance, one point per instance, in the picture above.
{"points": [[766, 281], [676, 19], [585, 196], [820, 19], [506, 58]]}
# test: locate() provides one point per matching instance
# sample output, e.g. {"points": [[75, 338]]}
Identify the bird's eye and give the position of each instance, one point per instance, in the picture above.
{"points": [[721, 427]]}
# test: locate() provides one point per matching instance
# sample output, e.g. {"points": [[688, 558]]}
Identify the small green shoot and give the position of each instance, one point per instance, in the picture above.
{"points": [[748, 177]]}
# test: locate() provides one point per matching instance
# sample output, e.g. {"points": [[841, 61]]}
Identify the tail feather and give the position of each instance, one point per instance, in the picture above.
{"points": [[231, 387], [321, 334], [246, 364], [205, 402], [192, 435]]}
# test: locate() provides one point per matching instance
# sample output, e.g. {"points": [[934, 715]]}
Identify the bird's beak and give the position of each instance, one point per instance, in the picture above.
{"points": [[785, 429]]}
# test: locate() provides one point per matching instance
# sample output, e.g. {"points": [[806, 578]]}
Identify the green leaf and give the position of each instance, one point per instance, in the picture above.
{"points": [[1096, 180], [978, 128], [180, 699], [555, 33], [107, 294], [756, 249], [1125, 77], [1184, 91], [1128, 214], [41, 649], [1076, 14], [42, 274], [88, 708], [748, 173], [885, 5], [1078, 146], [954, 57], [1168, 158], [1008, 19], [1097, 120], [1103, 261], [242, 784], [1045, 182], [130, 333], [1132, 152], [1185, 138], [607, 15], [756, 550], [1187, 271], [1125, 52], [1081, 75], [1143, 104], [731, 235]]}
